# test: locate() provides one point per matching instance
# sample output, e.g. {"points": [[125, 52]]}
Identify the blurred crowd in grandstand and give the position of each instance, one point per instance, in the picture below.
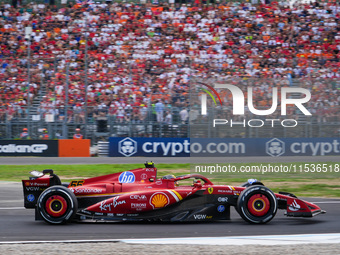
{"points": [[142, 58]]}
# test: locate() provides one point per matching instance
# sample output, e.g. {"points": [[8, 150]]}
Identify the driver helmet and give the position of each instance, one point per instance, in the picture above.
{"points": [[170, 176]]}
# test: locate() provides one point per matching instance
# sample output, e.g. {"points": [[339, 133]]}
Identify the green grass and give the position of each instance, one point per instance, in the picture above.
{"points": [[68, 172], [300, 183], [315, 190]]}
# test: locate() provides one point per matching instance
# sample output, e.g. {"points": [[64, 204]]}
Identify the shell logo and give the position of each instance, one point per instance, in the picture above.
{"points": [[159, 200]]}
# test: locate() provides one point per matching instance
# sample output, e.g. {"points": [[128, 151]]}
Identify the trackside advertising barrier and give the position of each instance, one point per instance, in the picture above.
{"points": [[45, 148], [228, 147], [40, 148]]}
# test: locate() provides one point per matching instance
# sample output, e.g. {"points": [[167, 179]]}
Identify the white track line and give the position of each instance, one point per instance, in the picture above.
{"points": [[244, 240], [64, 241], [231, 240], [11, 208], [327, 202]]}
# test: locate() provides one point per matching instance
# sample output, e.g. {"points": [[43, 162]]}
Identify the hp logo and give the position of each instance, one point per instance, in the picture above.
{"points": [[126, 177], [221, 208], [30, 198]]}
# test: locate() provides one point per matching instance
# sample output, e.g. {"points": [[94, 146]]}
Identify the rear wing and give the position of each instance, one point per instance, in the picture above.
{"points": [[36, 184]]}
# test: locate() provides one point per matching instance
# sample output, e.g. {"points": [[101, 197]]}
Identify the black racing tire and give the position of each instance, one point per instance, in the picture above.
{"points": [[57, 205], [257, 204]]}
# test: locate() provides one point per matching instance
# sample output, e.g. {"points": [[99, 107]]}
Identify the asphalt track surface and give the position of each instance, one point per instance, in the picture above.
{"points": [[166, 160], [18, 224]]}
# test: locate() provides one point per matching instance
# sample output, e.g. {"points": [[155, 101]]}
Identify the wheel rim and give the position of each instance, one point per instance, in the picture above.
{"points": [[56, 206], [258, 205]]}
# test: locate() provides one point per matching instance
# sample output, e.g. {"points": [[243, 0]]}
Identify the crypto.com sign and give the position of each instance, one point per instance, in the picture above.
{"points": [[239, 105]]}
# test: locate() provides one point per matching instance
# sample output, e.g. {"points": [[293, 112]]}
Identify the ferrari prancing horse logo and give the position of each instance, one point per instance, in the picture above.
{"points": [[210, 190]]}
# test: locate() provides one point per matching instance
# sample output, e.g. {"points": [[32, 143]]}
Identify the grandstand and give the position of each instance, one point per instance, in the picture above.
{"points": [[127, 69]]}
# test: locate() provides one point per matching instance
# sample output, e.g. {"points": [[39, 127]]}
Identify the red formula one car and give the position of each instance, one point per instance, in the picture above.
{"points": [[138, 195]]}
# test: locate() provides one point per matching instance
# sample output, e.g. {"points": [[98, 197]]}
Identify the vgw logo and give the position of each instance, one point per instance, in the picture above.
{"points": [[275, 147], [127, 147]]}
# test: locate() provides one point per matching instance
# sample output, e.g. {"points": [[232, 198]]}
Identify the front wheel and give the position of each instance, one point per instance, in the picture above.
{"points": [[257, 204], [57, 205]]}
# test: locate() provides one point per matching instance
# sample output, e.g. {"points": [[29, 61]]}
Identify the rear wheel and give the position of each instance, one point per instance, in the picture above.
{"points": [[57, 205], [257, 204]]}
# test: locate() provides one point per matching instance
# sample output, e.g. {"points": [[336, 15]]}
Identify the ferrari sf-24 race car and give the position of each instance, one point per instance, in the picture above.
{"points": [[138, 195]]}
